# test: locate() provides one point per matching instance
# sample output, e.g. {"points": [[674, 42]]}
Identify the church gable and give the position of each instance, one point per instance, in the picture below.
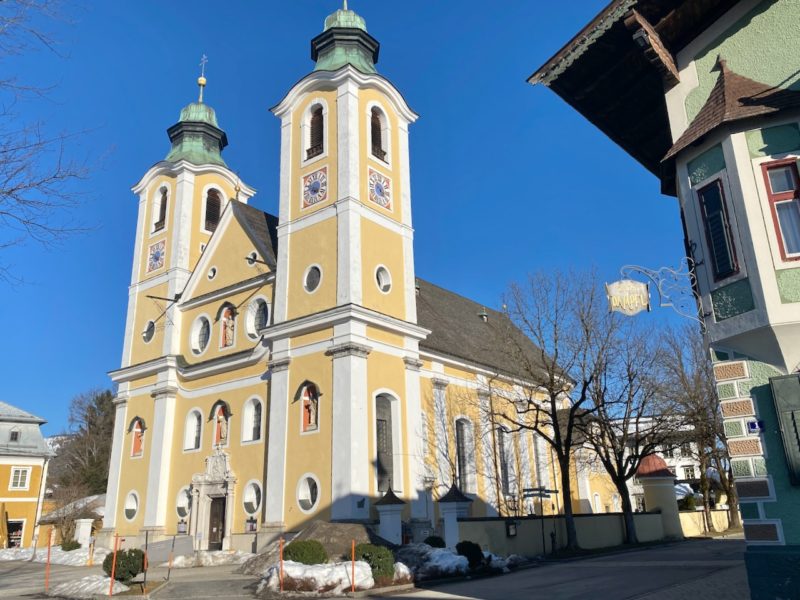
{"points": [[241, 249]]}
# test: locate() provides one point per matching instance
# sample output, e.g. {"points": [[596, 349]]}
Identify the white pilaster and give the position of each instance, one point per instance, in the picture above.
{"points": [[115, 464], [282, 274], [348, 286], [441, 445], [349, 180], [489, 475], [276, 437], [351, 461], [161, 436], [414, 434]]}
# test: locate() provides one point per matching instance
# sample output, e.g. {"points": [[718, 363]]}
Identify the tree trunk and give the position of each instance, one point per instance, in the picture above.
{"points": [[705, 489], [733, 503], [627, 512], [566, 490]]}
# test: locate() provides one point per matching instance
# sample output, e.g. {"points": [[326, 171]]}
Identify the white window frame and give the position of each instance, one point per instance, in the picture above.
{"points": [[389, 275], [305, 276], [181, 491], [247, 421], [27, 486], [305, 131], [155, 209], [193, 410], [397, 440]]}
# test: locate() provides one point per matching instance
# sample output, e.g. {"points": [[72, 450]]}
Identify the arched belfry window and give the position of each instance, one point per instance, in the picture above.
{"points": [[316, 141], [136, 429], [378, 133], [160, 209], [213, 209]]}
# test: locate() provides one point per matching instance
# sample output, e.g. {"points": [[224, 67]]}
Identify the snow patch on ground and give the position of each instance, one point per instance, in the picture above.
{"points": [[73, 558], [402, 574], [426, 562], [496, 562], [214, 558], [86, 587], [333, 578]]}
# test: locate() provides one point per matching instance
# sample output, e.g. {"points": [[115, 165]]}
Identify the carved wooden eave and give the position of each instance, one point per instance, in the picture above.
{"points": [[653, 47]]}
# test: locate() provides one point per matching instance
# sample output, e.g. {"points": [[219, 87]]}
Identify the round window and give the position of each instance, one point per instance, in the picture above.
{"points": [[257, 317], [201, 332], [383, 279], [212, 272], [252, 258], [131, 506], [252, 498], [183, 505], [308, 493], [313, 278], [149, 332]]}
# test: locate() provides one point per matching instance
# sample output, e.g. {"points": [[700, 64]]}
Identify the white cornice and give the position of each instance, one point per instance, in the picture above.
{"points": [[317, 79], [172, 169], [247, 284], [343, 314]]}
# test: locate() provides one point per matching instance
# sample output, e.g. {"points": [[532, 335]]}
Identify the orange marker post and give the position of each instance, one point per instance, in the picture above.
{"points": [[353, 575], [280, 550], [47, 566], [113, 565]]}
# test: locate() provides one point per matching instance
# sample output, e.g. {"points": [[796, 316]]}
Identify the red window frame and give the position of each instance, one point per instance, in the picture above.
{"points": [[773, 199]]}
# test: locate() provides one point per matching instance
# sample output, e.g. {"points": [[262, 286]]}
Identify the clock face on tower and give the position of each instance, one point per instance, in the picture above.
{"points": [[380, 189], [155, 256], [315, 187]]}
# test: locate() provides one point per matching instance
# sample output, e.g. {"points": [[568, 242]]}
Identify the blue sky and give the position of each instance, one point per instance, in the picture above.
{"points": [[506, 178]]}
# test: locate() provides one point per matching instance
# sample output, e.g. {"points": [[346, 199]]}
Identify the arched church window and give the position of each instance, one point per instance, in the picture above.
{"points": [[377, 129], [220, 415], [384, 463], [465, 452], [193, 431], [136, 429], [316, 140], [160, 209], [213, 209], [310, 406], [228, 326], [251, 420], [504, 454]]}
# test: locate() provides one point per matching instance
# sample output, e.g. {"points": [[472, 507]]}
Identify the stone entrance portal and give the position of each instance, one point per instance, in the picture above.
{"points": [[212, 503]]}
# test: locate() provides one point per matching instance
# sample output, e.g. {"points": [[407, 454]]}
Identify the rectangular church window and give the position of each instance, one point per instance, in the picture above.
{"points": [[783, 192]]}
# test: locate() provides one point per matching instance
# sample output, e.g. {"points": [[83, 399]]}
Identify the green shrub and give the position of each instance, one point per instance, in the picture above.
{"points": [[308, 552], [688, 502], [70, 545], [129, 564], [434, 541], [472, 551], [379, 558]]}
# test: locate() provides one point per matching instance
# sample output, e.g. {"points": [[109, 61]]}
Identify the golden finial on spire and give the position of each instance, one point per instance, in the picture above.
{"points": [[201, 81]]}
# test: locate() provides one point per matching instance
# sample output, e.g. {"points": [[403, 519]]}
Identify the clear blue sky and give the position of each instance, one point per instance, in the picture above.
{"points": [[506, 178]]}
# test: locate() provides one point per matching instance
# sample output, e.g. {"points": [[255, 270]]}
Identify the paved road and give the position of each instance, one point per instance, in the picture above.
{"points": [[22, 579], [693, 569]]}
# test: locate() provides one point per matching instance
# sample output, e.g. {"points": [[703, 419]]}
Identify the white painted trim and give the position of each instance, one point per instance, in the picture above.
{"points": [[349, 256], [24, 461], [194, 334], [115, 464], [24, 522], [135, 494], [173, 169], [274, 498], [375, 279], [159, 469], [250, 316], [315, 506], [243, 286], [196, 410], [211, 390], [472, 473], [305, 132], [28, 471], [323, 79], [155, 208]]}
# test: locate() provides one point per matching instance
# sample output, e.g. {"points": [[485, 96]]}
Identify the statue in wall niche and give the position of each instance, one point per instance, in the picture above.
{"points": [[228, 327], [310, 408], [223, 430]]}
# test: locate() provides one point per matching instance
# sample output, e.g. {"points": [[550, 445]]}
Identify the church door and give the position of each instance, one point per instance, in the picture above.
{"points": [[216, 524], [385, 458]]}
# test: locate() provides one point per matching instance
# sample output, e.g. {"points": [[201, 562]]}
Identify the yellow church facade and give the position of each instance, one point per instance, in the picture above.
{"points": [[283, 369]]}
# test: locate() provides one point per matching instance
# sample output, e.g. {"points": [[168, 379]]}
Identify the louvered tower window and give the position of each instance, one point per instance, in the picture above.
{"points": [[718, 231], [376, 122], [162, 211], [316, 139], [213, 210]]}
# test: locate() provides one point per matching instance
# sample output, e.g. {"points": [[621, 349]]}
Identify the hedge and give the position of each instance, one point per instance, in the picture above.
{"points": [[379, 558], [308, 552], [129, 564]]}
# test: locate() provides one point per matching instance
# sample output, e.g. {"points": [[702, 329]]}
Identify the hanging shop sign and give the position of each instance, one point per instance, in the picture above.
{"points": [[628, 296]]}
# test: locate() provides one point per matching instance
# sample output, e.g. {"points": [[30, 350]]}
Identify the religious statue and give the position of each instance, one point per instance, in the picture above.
{"points": [[228, 327]]}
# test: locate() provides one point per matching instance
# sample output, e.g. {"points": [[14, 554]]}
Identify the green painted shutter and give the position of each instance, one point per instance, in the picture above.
{"points": [[718, 231], [786, 394]]}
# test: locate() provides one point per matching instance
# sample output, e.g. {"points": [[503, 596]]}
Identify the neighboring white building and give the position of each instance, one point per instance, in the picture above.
{"points": [[681, 460]]}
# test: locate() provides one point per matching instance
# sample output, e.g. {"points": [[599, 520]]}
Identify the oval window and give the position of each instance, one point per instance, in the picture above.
{"points": [[201, 332], [131, 506], [252, 498], [183, 505], [149, 332], [308, 493], [313, 278], [383, 279]]}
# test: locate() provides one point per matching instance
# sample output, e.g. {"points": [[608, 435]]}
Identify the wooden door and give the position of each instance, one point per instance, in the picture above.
{"points": [[216, 524]]}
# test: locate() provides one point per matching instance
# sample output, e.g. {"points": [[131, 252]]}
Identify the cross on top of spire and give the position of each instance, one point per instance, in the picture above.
{"points": [[201, 81]]}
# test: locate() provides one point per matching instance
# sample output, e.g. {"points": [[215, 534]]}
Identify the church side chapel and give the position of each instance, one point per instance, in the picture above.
{"points": [[282, 369]]}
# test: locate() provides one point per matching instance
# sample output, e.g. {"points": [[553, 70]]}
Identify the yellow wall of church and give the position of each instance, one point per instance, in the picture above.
{"points": [[199, 234], [379, 246], [312, 245], [135, 469], [321, 335], [148, 309]]}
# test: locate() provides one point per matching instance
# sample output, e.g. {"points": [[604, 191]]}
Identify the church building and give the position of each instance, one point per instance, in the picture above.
{"points": [[283, 369]]}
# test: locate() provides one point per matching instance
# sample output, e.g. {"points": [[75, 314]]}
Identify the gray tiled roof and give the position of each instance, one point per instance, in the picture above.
{"points": [[458, 330], [17, 415], [262, 226]]}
